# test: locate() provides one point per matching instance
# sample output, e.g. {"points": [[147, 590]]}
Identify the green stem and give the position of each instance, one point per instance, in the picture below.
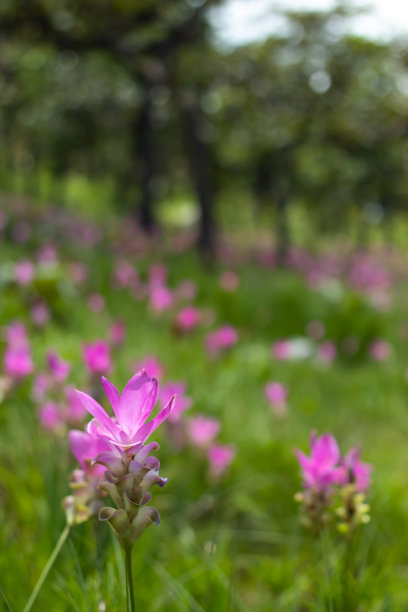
{"points": [[47, 568], [129, 579]]}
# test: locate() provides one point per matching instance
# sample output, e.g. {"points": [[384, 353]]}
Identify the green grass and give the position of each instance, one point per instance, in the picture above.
{"points": [[234, 545]]}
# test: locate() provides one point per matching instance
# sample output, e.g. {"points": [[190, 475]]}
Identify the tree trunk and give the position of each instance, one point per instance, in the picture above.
{"points": [[146, 162]]}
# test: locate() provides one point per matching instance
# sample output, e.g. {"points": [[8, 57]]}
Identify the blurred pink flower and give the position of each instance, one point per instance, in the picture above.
{"points": [[40, 315], [322, 469], [281, 350], [152, 365], [356, 471], [202, 430], [379, 350], [96, 302], [181, 403], [41, 384], [23, 272], [187, 290], [75, 409], [124, 275], [161, 299], [50, 416], [157, 275], [97, 357], [221, 339], [276, 393], [117, 332], [57, 366], [187, 318], [17, 361], [220, 458], [327, 351], [229, 281]]}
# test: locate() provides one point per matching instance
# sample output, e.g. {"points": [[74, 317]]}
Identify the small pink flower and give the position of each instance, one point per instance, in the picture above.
{"points": [[97, 357], [161, 299], [229, 281], [57, 366], [281, 350], [85, 448], [124, 275], [380, 350], [157, 275], [23, 272], [96, 302], [357, 471], [50, 416], [276, 393], [202, 430], [117, 332], [16, 333], [181, 403], [47, 254], [17, 362], [187, 318], [322, 469], [221, 339], [75, 409], [187, 290], [41, 384], [40, 315], [327, 351], [78, 272], [220, 458], [152, 366]]}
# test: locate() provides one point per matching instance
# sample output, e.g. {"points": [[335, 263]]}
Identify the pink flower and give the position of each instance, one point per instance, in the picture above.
{"points": [[229, 281], [187, 290], [129, 428], [41, 384], [117, 332], [50, 416], [57, 366], [187, 318], [157, 275], [357, 471], [85, 448], [152, 366], [181, 404], [124, 275], [40, 315], [222, 339], [75, 408], [97, 357], [281, 350], [202, 430], [161, 299], [96, 302], [276, 393], [322, 469], [17, 362], [380, 350], [220, 458], [23, 272], [16, 333], [327, 351]]}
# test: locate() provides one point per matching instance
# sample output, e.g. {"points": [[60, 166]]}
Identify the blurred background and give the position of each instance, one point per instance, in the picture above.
{"points": [[282, 118]]}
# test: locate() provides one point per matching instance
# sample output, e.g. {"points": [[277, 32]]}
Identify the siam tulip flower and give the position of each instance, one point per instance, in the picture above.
{"points": [[17, 361], [181, 403], [152, 365], [97, 357], [356, 471], [281, 350], [157, 275], [327, 352], [23, 272], [379, 350], [321, 470], [202, 430], [47, 254], [41, 384], [57, 366], [96, 302], [50, 416], [40, 315], [16, 334], [117, 333], [161, 299], [220, 340], [229, 281], [129, 429], [124, 275], [276, 393], [187, 319], [220, 458]]}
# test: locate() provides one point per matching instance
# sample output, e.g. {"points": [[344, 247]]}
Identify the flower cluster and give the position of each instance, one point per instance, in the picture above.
{"points": [[115, 459], [333, 486]]}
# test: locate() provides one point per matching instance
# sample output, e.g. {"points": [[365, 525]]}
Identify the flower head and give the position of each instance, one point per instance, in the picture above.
{"points": [[97, 357], [321, 469], [129, 428]]}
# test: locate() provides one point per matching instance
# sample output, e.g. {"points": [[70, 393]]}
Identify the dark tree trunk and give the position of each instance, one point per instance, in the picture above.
{"points": [[145, 151], [199, 158], [282, 221]]}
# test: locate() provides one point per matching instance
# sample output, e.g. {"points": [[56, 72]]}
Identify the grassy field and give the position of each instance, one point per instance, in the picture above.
{"points": [[233, 543]]}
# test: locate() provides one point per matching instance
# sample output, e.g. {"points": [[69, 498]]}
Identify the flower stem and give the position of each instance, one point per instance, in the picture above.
{"points": [[47, 568], [129, 579]]}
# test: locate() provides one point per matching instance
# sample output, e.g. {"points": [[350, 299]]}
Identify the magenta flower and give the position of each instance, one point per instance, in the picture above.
{"points": [[117, 332], [75, 408], [17, 362], [97, 357], [281, 350], [152, 366], [276, 393], [23, 272], [40, 315], [16, 333], [220, 458], [202, 430], [380, 350], [85, 448], [327, 351], [221, 339], [322, 469], [182, 402], [96, 302], [187, 318], [50, 416], [161, 299], [357, 471], [57, 366], [129, 428]]}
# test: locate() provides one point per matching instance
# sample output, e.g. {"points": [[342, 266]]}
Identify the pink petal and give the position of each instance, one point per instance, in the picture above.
{"points": [[112, 394], [98, 412], [148, 428], [138, 400]]}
